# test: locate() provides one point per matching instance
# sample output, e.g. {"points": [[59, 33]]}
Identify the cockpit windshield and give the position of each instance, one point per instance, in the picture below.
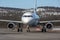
{"points": [[27, 16]]}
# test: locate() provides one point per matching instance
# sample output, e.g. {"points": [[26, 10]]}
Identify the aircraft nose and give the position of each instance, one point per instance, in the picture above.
{"points": [[26, 20]]}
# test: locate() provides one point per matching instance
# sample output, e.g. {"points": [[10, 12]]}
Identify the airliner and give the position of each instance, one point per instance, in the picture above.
{"points": [[30, 19]]}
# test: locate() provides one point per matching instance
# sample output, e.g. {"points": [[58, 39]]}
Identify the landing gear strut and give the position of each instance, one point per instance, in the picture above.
{"points": [[20, 28], [43, 29], [28, 29]]}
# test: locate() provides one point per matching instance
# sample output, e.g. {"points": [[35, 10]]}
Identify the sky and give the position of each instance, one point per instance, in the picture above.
{"points": [[28, 3]]}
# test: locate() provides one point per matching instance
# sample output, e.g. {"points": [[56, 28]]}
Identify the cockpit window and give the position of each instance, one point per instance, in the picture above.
{"points": [[27, 16]]}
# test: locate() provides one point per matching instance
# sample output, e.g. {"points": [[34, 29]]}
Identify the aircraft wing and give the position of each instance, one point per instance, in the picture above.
{"points": [[49, 21], [22, 22], [10, 21]]}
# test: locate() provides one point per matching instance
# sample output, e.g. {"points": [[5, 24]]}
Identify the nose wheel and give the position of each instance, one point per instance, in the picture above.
{"points": [[28, 29]]}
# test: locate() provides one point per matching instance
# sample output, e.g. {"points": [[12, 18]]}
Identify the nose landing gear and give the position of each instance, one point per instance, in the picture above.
{"points": [[28, 29]]}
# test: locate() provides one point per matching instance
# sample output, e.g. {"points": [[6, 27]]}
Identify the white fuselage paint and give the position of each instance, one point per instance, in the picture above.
{"points": [[30, 18]]}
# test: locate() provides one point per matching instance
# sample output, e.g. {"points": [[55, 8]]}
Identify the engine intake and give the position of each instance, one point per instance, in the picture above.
{"points": [[49, 25], [11, 25]]}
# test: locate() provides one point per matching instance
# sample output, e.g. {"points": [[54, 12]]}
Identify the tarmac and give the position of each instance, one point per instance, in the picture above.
{"points": [[6, 34]]}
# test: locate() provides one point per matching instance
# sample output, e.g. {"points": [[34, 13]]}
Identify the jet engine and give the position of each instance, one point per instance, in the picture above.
{"points": [[11, 25], [49, 26]]}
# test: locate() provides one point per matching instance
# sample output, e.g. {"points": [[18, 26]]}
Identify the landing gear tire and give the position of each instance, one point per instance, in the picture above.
{"points": [[28, 30], [43, 29], [20, 30]]}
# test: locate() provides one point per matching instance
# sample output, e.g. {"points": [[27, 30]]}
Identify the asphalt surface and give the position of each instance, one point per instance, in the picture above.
{"points": [[6, 34]]}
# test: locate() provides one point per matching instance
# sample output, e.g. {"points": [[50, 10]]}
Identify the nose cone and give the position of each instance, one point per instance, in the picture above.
{"points": [[26, 20]]}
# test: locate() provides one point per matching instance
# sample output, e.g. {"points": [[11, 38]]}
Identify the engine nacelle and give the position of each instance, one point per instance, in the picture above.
{"points": [[11, 25], [49, 26]]}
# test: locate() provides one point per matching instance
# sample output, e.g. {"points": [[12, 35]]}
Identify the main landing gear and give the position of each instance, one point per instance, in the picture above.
{"points": [[20, 28], [43, 29]]}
